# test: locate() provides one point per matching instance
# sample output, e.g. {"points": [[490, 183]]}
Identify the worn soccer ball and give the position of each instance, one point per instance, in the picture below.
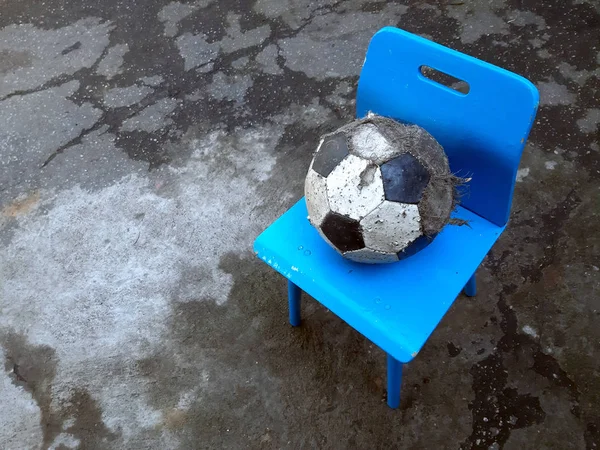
{"points": [[379, 191]]}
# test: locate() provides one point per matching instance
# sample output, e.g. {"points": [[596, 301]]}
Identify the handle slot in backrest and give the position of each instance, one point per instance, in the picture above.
{"points": [[445, 79]]}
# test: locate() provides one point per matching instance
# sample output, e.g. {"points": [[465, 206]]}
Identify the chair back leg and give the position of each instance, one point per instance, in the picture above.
{"points": [[294, 296], [394, 381]]}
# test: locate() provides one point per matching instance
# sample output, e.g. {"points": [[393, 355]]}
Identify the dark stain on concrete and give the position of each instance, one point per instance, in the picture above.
{"points": [[88, 427], [551, 227], [256, 365], [580, 19], [71, 48], [498, 409], [433, 22], [453, 350], [592, 436], [329, 374], [33, 368]]}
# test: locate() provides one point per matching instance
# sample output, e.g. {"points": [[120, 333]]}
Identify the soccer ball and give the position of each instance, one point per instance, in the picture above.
{"points": [[379, 191]]}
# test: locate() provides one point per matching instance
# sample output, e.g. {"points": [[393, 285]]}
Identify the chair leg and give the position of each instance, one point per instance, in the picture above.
{"points": [[294, 296], [394, 381], [471, 287]]}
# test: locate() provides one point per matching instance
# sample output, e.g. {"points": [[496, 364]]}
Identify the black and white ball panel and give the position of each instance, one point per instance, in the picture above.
{"points": [[343, 232], [355, 187], [315, 189], [330, 153], [404, 179], [391, 226]]}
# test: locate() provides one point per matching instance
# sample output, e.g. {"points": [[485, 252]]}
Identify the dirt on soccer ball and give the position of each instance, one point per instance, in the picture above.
{"points": [[379, 191]]}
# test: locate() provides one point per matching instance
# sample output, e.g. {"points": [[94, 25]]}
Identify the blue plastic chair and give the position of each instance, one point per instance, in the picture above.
{"points": [[397, 306]]}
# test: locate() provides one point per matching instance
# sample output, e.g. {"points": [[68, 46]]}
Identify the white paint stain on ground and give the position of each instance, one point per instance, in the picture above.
{"points": [[479, 19], [153, 80], [522, 18], [579, 76], [482, 23], [119, 97], [233, 88], [175, 12], [236, 39], [267, 60], [153, 117], [552, 93], [64, 440], [590, 121], [550, 165], [110, 263], [522, 174], [530, 331], [110, 65], [195, 50]]}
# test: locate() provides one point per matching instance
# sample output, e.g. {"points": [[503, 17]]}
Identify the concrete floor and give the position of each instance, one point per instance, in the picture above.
{"points": [[145, 144]]}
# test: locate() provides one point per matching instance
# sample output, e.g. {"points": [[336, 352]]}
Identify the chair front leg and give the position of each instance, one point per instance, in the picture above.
{"points": [[294, 296], [471, 287], [394, 381]]}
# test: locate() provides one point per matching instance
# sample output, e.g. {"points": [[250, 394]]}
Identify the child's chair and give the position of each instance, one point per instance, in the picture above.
{"points": [[398, 305]]}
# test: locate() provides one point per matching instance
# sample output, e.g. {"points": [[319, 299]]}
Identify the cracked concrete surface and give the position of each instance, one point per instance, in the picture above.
{"points": [[143, 146]]}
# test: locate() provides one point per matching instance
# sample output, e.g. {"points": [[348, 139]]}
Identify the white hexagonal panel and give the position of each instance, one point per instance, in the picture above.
{"points": [[368, 142], [368, 256], [315, 191], [355, 187], [391, 226]]}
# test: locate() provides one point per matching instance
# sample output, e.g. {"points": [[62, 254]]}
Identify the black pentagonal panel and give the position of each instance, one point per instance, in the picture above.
{"points": [[404, 179], [415, 246], [343, 232], [331, 153]]}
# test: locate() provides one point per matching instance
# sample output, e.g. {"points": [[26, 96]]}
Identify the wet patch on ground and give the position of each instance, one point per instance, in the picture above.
{"points": [[145, 145]]}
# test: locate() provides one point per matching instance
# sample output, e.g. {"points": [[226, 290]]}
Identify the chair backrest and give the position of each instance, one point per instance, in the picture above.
{"points": [[483, 132]]}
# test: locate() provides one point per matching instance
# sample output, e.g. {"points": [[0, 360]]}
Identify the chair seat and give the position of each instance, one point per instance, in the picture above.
{"points": [[397, 306]]}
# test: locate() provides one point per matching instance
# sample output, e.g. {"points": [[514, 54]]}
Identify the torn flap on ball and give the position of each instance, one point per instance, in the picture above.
{"points": [[348, 191], [367, 142]]}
